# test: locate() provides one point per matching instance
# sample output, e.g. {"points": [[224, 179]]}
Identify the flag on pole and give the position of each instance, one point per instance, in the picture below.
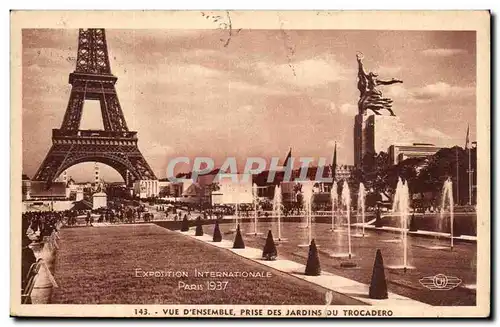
{"points": [[288, 158], [467, 138], [333, 167], [288, 161]]}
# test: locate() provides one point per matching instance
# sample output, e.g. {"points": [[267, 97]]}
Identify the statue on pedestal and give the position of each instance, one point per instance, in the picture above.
{"points": [[370, 98]]}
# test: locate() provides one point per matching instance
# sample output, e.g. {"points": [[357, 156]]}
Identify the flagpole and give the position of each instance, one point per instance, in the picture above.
{"points": [[469, 171], [470, 180], [334, 164], [458, 189]]}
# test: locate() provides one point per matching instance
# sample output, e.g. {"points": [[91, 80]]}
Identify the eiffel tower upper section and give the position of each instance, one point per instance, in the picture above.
{"points": [[92, 80], [92, 56]]}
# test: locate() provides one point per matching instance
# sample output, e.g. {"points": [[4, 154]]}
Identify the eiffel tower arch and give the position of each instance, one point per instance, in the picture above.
{"points": [[114, 146]]}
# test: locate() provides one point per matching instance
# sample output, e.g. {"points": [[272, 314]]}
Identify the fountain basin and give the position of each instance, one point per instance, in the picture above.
{"points": [[255, 234], [341, 255], [396, 240], [433, 247], [359, 235], [305, 245], [400, 268], [348, 264]]}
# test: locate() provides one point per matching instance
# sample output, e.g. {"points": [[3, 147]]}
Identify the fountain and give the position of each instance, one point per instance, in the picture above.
{"points": [[277, 206], [307, 190], [447, 195], [360, 212], [334, 198], [255, 204], [346, 202], [236, 213], [401, 207]]}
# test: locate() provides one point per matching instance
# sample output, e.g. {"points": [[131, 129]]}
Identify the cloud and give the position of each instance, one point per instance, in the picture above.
{"points": [[245, 108], [397, 91], [332, 108], [50, 57], [156, 149], [192, 82], [252, 88], [442, 52], [441, 90], [348, 109], [331, 143], [34, 68], [188, 79], [203, 54], [306, 73], [388, 70], [187, 72], [430, 92], [432, 132]]}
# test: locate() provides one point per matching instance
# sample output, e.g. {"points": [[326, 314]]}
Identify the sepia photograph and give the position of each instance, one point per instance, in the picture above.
{"points": [[247, 164]]}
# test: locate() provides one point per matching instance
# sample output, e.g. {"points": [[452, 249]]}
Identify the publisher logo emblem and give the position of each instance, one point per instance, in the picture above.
{"points": [[440, 282]]}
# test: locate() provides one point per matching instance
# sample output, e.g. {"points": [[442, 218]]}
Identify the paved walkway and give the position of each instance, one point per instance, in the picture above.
{"points": [[368, 226], [335, 283], [107, 224], [423, 233]]}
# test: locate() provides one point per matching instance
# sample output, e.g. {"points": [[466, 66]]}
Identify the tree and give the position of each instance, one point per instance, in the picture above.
{"points": [[378, 284], [313, 267], [185, 224], [368, 162], [269, 252], [373, 174], [199, 227], [238, 240], [378, 179], [217, 237], [443, 165], [424, 175]]}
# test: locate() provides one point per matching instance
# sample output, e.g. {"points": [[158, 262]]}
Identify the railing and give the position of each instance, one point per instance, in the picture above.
{"points": [[79, 76], [30, 284], [57, 133], [94, 90]]}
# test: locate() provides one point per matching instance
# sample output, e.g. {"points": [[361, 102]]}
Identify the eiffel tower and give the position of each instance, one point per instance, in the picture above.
{"points": [[114, 146]]}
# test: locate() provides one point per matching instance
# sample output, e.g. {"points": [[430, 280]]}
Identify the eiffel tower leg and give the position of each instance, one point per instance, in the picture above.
{"points": [[49, 168], [114, 113], [73, 114], [141, 166]]}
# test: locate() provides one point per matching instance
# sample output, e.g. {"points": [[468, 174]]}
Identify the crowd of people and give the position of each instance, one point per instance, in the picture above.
{"points": [[38, 224], [35, 227], [107, 215]]}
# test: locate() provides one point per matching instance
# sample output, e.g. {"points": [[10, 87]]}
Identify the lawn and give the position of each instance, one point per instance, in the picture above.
{"points": [[97, 265]]}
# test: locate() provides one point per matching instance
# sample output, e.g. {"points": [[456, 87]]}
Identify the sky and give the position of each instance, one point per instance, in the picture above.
{"points": [[194, 93]]}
